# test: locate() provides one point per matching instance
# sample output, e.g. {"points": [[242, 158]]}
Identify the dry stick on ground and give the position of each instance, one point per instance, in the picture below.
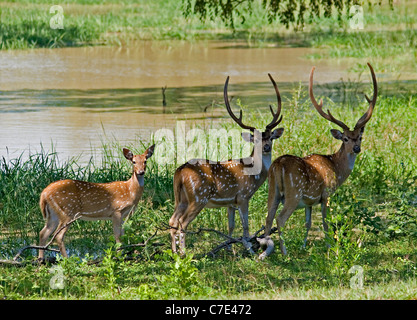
{"points": [[144, 244], [46, 247], [254, 241], [76, 217], [141, 245]]}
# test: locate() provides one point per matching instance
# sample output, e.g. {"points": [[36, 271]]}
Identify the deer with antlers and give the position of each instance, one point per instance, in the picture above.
{"points": [[64, 200], [304, 182], [202, 184]]}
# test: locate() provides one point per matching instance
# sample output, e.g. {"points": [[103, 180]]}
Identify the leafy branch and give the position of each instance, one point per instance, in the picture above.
{"points": [[288, 12]]}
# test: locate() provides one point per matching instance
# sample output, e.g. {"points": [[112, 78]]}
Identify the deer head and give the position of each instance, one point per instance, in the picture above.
{"points": [[351, 138], [139, 160], [268, 135]]}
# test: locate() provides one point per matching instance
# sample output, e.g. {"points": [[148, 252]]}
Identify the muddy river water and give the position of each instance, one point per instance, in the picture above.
{"points": [[76, 98]]}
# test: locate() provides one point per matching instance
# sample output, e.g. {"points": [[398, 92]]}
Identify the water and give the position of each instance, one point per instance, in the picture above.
{"points": [[75, 98]]}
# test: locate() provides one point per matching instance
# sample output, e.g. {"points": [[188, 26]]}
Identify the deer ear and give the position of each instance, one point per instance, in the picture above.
{"points": [[149, 151], [128, 154], [277, 133], [336, 134], [247, 136]]}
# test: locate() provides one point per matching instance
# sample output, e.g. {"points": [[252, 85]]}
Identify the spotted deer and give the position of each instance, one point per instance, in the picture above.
{"points": [[202, 183], [63, 200], [304, 182]]}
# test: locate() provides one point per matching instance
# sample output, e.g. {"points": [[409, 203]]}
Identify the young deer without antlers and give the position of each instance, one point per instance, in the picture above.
{"points": [[304, 182], [63, 200], [201, 183]]}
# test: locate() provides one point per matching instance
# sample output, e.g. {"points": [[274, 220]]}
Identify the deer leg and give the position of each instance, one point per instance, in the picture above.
{"points": [[174, 224], [117, 226], [274, 199], [323, 217], [244, 212], [308, 224], [231, 211], [231, 219], [289, 207], [192, 211], [51, 225], [60, 238]]}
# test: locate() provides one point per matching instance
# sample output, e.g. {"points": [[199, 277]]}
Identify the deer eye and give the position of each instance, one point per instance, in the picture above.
{"points": [[134, 162], [346, 139]]}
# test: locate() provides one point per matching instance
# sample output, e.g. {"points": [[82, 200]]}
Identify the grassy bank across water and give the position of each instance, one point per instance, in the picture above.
{"points": [[389, 35], [373, 214]]}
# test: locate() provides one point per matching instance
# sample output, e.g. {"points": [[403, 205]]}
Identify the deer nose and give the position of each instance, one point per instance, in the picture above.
{"points": [[267, 148], [356, 149], [141, 172]]}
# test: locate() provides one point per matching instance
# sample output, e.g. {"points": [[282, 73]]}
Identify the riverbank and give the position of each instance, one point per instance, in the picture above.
{"points": [[388, 35]]}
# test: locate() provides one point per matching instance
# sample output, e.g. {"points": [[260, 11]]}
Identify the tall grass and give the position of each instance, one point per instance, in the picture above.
{"points": [[373, 218], [22, 181]]}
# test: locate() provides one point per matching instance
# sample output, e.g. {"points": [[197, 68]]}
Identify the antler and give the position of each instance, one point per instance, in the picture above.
{"points": [[365, 118], [275, 121], [237, 120], [319, 106]]}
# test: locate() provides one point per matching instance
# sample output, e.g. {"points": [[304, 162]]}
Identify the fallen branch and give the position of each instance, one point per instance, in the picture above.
{"points": [[252, 244], [164, 101], [141, 245], [45, 247], [144, 244]]}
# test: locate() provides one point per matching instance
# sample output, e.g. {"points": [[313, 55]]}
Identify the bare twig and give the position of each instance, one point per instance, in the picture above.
{"points": [[164, 102], [46, 247], [144, 244], [252, 244]]}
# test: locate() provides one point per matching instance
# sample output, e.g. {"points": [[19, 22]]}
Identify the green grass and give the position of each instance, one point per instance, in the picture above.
{"points": [[373, 214], [389, 35], [25, 24]]}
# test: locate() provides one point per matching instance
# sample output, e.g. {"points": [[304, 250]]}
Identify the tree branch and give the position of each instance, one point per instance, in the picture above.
{"points": [[46, 247], [252, 244]]}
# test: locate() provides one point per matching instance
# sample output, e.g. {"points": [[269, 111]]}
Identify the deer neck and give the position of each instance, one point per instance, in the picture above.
{"points": [[266, 159], [136, 183], [266, 162], [344, 163]]}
